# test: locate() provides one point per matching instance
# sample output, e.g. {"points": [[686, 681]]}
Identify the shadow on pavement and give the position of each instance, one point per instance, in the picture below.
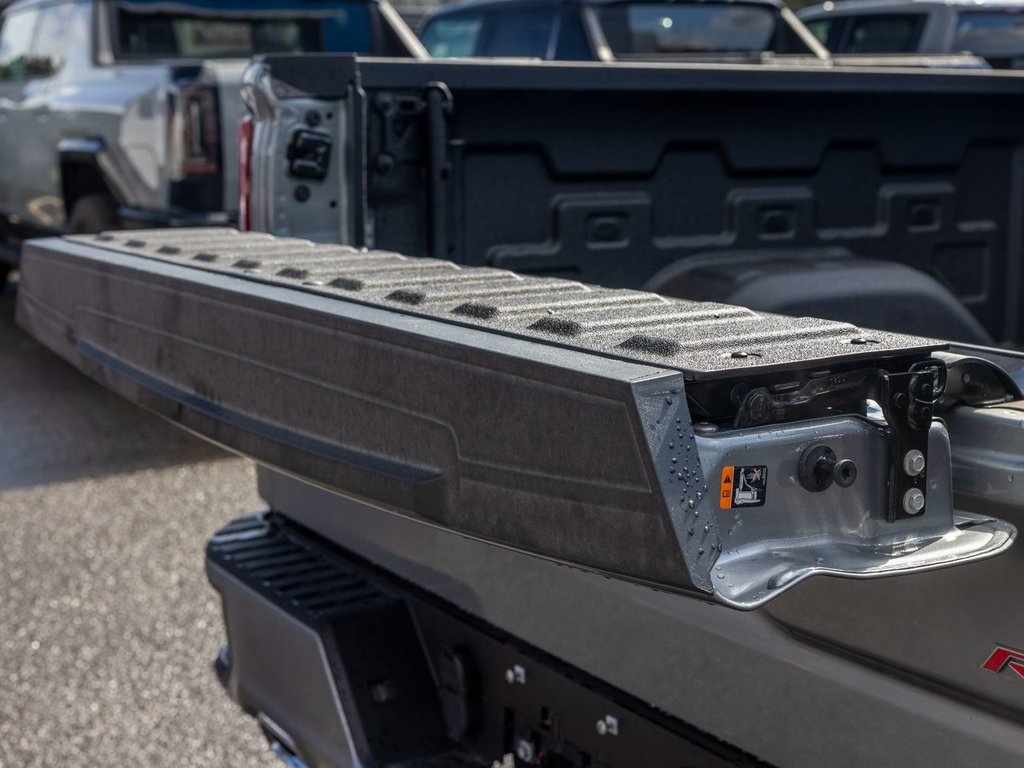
{"points": [[57, 425]]}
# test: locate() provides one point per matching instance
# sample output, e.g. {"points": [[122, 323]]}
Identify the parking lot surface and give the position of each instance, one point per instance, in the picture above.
{"points": [[107, 625]]}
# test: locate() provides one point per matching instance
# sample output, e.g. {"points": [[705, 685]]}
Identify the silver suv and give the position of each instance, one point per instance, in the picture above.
{"points": [[119, 114], [991, 30]]}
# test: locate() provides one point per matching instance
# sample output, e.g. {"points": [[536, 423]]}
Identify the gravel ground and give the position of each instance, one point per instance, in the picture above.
{"points": [[107, 625]]}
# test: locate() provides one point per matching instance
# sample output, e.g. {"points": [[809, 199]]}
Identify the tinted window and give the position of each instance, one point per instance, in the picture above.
{"points": [[687, 28], [885, 33], [821, 29], [572, 40], [147, 29], [453, 35], [519, 32], [16, 44], [999, 34], [48, 50]]}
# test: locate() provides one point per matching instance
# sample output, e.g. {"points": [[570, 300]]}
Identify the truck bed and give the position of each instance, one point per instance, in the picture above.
{"points": [[618, 175]]}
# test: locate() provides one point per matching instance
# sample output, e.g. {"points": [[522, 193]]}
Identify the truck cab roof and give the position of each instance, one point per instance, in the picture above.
{"points": [[895, 6]]}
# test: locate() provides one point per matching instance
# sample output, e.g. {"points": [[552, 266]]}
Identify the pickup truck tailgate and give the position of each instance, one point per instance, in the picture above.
{"points": [[591, 426]]}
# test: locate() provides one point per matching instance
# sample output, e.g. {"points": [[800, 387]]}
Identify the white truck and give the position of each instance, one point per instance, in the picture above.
{"points": [[112, 112]]}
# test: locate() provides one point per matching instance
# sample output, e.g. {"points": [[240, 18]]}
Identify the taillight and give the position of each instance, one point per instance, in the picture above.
{"points": [[245, 126], [200, 131]]}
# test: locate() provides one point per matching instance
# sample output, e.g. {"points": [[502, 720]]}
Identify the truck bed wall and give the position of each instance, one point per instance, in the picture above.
{"points": [[610, 174]]}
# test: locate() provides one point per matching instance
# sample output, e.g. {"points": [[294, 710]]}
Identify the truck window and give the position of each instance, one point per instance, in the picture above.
{"points": [[823, 29], [572, 44], [519, 32], [994, 34], [885, 33], [49, 48], [16, 44], [654, 28], [451, 35], [820, 29], [205, 29]]}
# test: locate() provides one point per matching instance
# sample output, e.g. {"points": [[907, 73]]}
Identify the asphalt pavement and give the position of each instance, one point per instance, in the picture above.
{"points": [[107, 625]]}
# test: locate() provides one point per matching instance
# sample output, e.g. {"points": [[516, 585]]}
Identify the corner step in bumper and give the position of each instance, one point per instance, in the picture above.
{"points": [[344, 665]]}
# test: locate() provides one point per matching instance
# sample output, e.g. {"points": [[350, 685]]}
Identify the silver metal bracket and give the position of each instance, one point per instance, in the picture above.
{"points": [[908, 402]]}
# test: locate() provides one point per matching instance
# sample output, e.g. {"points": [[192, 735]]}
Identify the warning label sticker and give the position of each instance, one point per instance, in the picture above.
{"points": [[743, 487]]}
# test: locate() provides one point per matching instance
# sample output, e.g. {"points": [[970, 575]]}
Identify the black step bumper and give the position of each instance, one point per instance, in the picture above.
{"points": [[345, 665]]}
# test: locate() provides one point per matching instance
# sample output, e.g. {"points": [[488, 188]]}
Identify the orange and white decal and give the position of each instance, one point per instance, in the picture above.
{"points": [[725, 492]]}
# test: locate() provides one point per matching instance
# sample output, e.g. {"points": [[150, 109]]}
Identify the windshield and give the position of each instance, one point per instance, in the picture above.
{"points": [[239, 29], [999, 34], [655, 28]]}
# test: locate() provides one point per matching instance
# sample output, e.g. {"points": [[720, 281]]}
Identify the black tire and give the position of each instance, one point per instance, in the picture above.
{"points": [[91, 214]]}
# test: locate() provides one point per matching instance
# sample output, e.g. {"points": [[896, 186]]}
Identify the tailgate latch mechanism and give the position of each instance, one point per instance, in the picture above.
{"points": [[908, 402]]}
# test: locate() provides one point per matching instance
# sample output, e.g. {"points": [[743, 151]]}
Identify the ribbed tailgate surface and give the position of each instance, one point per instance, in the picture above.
{"points": [[703, 339]]}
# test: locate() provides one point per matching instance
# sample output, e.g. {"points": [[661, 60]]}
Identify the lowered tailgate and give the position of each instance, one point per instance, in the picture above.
{"points": [[649, 438]]}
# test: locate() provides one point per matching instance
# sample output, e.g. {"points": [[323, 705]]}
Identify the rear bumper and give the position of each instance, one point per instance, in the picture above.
{"points": [[343, 664]]}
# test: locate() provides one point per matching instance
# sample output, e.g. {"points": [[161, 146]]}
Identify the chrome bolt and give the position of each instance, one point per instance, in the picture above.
{"points": [[608, 726], [913, 502], [524, 750], [913, 463], [515, 674]]}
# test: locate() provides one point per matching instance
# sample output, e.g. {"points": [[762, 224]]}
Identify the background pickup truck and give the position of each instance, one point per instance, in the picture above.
{"points": [[793, 190], [112, 112], [599, 30], [994, 31], [761, 31]]}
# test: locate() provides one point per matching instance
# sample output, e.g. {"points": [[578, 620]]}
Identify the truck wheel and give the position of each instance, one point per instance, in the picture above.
{"points": [[91, 214]]}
